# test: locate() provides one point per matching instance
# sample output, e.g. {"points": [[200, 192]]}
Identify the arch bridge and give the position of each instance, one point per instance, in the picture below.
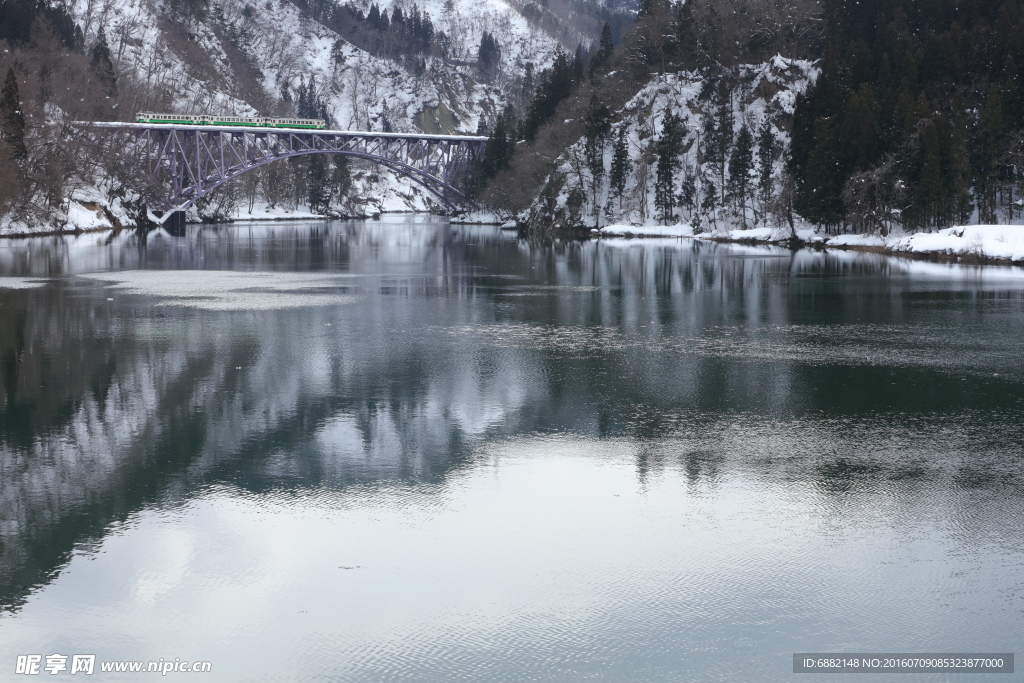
{"points": [[182, 163]]}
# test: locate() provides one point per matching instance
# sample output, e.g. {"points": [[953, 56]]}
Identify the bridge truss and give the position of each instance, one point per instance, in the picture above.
{"points": [[184, 163]]}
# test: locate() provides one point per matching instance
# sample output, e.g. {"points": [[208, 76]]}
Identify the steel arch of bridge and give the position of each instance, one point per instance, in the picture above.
{"points": [[184, 163]]}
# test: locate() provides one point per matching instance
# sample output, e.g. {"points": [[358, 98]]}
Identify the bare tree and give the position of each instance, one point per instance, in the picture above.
{"points": [[874, 198]]}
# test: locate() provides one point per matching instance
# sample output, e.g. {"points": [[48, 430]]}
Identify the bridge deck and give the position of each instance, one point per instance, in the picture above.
{"points": [[267, 129]]}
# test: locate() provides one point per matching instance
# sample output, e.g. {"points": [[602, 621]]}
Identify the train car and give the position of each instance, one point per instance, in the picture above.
{"points": [[245, 121], [296, 123]]}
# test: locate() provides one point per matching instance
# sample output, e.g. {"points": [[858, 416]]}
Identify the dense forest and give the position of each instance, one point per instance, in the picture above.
{"points": [[916, 117], [405, 36]]}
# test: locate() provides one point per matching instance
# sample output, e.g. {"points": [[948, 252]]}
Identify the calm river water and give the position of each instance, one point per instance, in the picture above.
{"points": [[402, 450]]}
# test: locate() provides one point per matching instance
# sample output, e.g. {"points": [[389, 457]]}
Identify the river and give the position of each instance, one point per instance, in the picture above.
{"points": [[404, 450]]}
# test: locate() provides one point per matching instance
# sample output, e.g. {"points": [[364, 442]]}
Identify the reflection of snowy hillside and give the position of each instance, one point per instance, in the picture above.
{"points": [[355, 354]]}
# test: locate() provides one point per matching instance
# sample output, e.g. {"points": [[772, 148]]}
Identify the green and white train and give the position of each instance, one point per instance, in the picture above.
{"points": [[248, 121]]}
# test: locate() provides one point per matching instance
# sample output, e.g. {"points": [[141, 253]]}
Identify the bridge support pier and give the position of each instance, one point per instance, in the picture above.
{"points": [[173, 221], [176, 223]]}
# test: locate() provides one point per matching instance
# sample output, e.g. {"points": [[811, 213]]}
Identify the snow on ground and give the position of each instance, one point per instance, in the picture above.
{"points": [[263, 212], [995, 242], [682, 230], [985, 241], [480, 217], [87, 218], [755, 234]]}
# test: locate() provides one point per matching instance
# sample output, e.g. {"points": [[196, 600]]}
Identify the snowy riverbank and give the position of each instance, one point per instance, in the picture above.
{"points": [[980, 242]]}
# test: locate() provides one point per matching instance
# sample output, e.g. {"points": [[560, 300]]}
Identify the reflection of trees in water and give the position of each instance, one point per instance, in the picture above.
{"points": [[110, 408], [713, 359], [842, 475]]}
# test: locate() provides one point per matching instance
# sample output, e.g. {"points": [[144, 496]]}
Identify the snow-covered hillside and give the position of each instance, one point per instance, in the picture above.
{"points": [[754, 93], [241, 57], [249, 57]]}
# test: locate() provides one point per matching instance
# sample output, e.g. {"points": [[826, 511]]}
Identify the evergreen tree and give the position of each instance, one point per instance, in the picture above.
{"points": [[722, 140], [668, 147], [598, 126], [488, 54], [556, 84], [905, 116], [741, 163], [991, 134], [311, 103], [960, 167], [820, 197], [709, 145], [606, 45], [884, 86], [17, 17], [709, 197], [928, 202], [528, 83], [598, 122], [801, 137], [688, 190], [301, 105], [321, 174], [12, 118], [102, 66], [318, 193], [765, 161], [825, 100], [604, 50], [861, 132], [686, 38], [620, 165], [512, 126], [1013, 103], [497, 154], [579, 62], [341, 177]]}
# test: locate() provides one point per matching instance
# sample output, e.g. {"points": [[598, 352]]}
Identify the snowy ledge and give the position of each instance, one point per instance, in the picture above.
{"points": [[265, 213], [995, 243], [481, 218]]}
